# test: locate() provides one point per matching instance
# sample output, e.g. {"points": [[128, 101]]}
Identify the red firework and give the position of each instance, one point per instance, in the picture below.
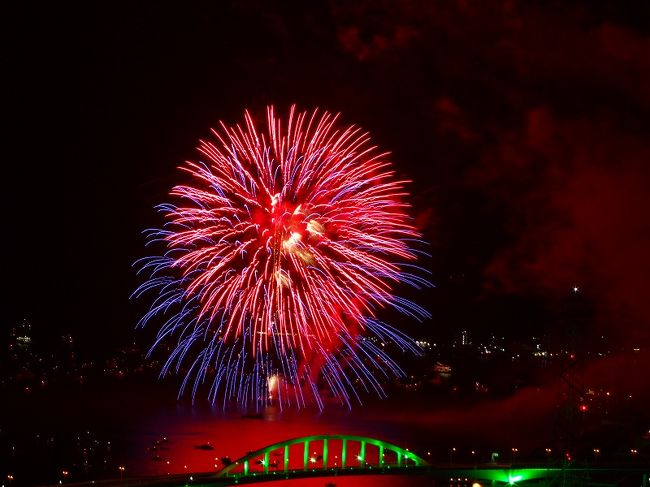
{"points": [[288, 239]]}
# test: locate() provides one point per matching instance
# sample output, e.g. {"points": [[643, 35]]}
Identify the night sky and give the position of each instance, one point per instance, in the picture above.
{"points": [[524, 126]]}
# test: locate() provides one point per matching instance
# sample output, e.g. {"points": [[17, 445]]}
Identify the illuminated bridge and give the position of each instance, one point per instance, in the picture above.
{"points": [[323, 453], [338, 455]]}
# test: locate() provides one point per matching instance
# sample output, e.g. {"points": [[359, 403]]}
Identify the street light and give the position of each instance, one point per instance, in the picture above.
{"points": [[121, 469], [451, 455]]}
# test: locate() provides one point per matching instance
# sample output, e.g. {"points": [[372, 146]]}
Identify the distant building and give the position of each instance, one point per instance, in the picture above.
{"points": [[462, 339], [20, 339]]}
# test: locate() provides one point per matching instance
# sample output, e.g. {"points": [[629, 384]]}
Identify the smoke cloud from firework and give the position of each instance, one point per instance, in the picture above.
{"points": [[277, 257]]}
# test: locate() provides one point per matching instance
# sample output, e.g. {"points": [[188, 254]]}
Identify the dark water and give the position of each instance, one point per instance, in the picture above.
{"points": [[90, 431]]}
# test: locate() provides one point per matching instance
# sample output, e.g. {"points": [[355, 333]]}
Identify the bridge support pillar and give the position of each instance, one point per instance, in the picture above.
{"points": [[344, 452], [325, 453], [266, 462], [306, 455], [399, 458], [362, 454], [644, 480], [381, 455], [286, 458], [245, 467]]}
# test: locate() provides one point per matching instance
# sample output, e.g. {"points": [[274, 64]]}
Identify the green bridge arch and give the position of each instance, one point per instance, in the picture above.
{"points": [[403, 456]]}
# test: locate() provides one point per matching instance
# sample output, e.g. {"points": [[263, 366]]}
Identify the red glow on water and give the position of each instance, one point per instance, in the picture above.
{"points": [[235, 437]]}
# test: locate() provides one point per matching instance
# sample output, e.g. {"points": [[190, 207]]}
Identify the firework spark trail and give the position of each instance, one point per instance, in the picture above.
{"points": [[279, 256]]}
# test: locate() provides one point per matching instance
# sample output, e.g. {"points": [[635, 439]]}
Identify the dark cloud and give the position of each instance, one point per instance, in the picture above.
{"points": [[538, 114], [574, 196]]}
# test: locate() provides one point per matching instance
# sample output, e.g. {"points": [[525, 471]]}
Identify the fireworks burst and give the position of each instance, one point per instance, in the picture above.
{"points": [[277, 259]]}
